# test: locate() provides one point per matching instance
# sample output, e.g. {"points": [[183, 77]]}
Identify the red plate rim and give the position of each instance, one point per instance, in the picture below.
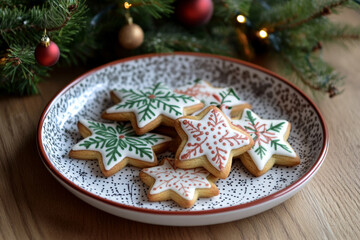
{"points": [[270, 197]]}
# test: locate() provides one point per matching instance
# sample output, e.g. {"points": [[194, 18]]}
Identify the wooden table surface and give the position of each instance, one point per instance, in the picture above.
{"points": [[33, 205]]}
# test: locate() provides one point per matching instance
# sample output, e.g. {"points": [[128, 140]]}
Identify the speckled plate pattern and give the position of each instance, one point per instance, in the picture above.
{"points": [[271, 97]]}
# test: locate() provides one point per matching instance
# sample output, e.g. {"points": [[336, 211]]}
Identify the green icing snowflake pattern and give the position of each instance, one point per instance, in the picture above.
{"points": [[223, 98], [214, 96], [268, 136], [149, 103], [115, 141]]}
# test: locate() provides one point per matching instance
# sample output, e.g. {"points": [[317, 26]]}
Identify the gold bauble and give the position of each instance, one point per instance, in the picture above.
{"points": [[131, 36]]}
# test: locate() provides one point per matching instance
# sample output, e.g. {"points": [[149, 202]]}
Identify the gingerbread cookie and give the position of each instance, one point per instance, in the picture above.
{"points": [[210, 140], [270, 143], [150, 107], [171, 132], [115, 145], [224, 98], [184, 186]]}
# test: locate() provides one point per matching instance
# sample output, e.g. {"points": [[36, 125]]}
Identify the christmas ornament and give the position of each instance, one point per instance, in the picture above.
{"points": [[194, 12], [47, 53], [131, 36]]}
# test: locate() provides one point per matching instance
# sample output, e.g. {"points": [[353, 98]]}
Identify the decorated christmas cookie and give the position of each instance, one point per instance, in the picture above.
{"points": [[171, 132], [116, 144], [184, 186], [224, 98], [150, 107], [270, 143], [211, 141]]}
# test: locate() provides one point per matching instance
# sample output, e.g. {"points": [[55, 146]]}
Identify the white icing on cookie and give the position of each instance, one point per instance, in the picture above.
{"points": [[182, 181], [213, 137], [148, 103], [223, 98], [116, 141], [268, 136]]}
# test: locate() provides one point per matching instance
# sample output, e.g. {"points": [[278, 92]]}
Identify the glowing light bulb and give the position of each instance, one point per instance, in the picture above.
{"points": [[241, 18], [262, 33], [127, 5]]}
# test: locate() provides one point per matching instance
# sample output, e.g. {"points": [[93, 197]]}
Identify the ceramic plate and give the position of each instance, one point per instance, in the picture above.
{"points": [[124, 195]]}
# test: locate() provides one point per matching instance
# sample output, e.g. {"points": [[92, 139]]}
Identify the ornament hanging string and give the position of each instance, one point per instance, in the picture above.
{"points": [[128, 17], [131, 35], [45, 39]]}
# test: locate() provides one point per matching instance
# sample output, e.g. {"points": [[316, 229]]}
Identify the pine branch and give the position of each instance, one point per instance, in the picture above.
{"points": [[71, 10], [21, 28], [230, 8], [307, 37], [19, 72], [156, 8], [297, 28], [334, 31], [170, 37], [325, 10], [19, 25], [300, 74], [318, 76]]}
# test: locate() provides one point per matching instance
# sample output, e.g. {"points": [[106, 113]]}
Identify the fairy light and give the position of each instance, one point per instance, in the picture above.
{"points": [[3, 61], [241, 18], [127, 13], [263, 33], [127, 5]]}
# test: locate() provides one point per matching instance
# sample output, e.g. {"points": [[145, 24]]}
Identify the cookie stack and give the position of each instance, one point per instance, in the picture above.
{"points": [[206, 127]]}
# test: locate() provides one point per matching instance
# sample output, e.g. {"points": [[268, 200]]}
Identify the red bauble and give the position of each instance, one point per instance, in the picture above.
{"points": [[194, 12], [47, 55]]}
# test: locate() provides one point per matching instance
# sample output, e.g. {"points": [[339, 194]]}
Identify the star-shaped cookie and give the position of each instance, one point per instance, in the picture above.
{"points": [[210, 140], [116, 144], [149, 107], [184, 186], [224, 98], [270, 143]]}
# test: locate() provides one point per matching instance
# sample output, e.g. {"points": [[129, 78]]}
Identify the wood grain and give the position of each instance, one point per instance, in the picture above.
{"points": [[34, 206]]}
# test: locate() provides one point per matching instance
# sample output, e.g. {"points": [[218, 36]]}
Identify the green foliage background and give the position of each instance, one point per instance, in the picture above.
{"points": [[87, 32]]}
